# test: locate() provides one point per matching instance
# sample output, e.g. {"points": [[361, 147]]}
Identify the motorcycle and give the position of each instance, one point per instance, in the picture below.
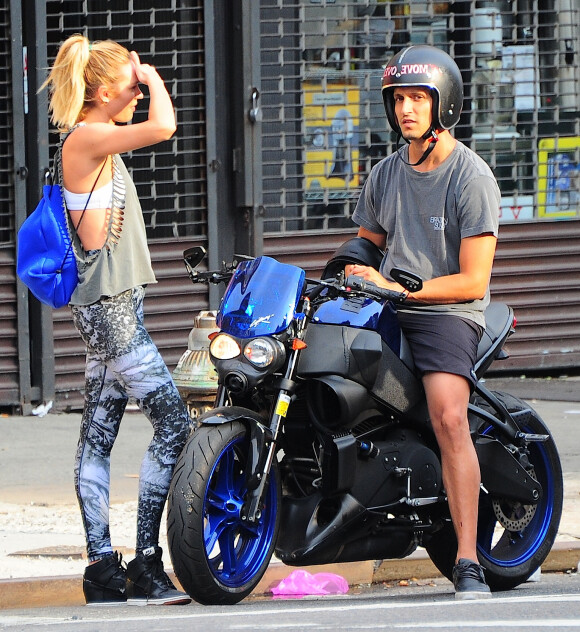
{"points": [[319, 447]]}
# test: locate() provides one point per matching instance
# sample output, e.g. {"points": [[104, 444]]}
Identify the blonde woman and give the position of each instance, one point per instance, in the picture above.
{"points": [[93, 87]]}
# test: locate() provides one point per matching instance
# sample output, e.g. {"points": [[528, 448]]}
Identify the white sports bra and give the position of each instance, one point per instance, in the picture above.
{"points": [[100, 198]]}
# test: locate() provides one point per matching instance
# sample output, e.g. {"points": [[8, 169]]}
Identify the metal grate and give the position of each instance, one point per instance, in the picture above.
{"points": [[324, 124], [6, 136], [170, 177]]}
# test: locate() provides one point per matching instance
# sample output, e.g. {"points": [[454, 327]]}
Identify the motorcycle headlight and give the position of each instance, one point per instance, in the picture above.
{"points": [[261, 352], [224, 347]]}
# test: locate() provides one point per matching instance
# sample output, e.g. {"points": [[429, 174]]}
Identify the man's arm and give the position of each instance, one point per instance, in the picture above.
{"points": [[379, 240], [475, 262]]}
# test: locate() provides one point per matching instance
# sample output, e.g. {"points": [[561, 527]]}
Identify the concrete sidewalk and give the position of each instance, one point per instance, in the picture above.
{"points": [[41, 542]]}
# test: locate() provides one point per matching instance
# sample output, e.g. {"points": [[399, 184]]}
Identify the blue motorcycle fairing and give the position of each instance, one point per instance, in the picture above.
{"points": [[363, 313], [357, 312], [261, 298]]}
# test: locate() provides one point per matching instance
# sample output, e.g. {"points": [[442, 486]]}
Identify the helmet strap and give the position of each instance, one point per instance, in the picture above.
{"points": [[429, 134]]}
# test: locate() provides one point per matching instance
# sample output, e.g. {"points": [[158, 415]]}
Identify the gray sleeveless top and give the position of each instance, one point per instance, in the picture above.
{"points": [[124, 261]]}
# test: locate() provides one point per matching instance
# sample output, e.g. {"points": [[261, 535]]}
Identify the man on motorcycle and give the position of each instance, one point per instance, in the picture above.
{"points": [[433, 206]]}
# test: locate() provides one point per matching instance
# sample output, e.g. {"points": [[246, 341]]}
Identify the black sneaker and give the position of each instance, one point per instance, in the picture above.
{"points": [[148, 583], [469, 581], [104, 582]]}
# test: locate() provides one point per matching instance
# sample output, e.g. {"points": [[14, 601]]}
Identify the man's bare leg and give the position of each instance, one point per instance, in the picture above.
{"points": [[447, 398]]}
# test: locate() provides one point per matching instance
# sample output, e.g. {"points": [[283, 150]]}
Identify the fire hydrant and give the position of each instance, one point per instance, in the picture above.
{"points": [[195, 375]]}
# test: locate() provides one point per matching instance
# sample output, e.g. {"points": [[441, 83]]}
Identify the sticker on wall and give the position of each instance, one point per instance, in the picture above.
{"points": [[559, 177]]}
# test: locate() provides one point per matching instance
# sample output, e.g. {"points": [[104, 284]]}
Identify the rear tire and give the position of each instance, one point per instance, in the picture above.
{"points": [[218, 558], [512, 539]]}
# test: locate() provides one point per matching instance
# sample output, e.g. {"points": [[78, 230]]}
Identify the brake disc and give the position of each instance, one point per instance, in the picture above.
{"points": [[513, 515]]}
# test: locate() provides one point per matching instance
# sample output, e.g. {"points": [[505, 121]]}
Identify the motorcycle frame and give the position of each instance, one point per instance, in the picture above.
{"points": [[263, 432]]}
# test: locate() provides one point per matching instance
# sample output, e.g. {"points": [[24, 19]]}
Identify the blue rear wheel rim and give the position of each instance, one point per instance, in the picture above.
{"points": [[235, 550], [504, 547]]}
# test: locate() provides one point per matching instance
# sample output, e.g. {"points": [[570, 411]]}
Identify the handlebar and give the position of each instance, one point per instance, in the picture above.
{"points": [[209, 277], [325, 289], [359, 285], [351, 287]]}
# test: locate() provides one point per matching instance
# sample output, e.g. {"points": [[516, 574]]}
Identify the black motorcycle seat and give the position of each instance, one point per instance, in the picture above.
{"points": [[497, 318]]}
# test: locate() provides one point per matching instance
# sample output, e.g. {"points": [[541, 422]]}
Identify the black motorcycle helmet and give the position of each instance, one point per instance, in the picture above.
{"points": [[356, 250], [431, 68]]}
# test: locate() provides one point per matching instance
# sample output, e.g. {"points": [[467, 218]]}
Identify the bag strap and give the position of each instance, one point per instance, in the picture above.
{"points": [[76, 229], [88, 199]]}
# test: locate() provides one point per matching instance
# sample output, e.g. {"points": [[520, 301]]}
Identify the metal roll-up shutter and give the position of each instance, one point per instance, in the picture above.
{"points": [[9, 385], [538, 274], [170, 177]]}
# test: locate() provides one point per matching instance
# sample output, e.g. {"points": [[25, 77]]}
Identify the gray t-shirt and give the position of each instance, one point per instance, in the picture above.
{"points": [[426, 214]]}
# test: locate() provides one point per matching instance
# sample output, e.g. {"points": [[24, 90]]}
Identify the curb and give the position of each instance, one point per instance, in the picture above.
{"points": [[42, 592]]}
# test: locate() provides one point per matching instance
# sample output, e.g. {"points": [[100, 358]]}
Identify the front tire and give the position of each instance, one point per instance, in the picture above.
{"points": [[217, 557], [512, 539]]}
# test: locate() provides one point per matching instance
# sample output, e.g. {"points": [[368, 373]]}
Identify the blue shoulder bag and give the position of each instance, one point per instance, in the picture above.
{"points": [[45, 259]]}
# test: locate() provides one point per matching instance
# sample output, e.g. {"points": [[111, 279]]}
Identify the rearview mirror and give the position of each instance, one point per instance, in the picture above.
{"points": [[194, 256]]}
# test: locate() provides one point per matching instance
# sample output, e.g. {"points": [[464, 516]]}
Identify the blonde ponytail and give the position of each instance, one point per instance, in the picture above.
{"points": [[80, 68]]}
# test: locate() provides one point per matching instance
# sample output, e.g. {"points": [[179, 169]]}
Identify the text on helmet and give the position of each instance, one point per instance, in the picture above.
{"points": [[411, 69]]}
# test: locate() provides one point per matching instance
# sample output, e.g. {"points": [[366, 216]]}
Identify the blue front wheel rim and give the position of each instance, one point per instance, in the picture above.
{"points": [[236, 551]]}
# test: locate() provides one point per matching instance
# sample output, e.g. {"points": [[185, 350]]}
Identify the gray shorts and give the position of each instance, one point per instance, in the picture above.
{"points": [[442, 343]]}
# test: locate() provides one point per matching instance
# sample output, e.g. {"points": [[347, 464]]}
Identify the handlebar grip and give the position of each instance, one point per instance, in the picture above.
{"points": [[368, 287]]}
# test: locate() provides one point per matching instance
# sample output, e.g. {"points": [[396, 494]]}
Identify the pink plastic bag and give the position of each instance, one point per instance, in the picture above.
{"points": [[301, 582]]}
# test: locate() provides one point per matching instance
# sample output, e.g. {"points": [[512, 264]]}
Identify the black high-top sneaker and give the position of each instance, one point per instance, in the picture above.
{"points": [[104, 582], [148, 584]]}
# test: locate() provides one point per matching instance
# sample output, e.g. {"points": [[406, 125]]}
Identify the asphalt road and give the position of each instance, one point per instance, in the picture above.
{"points": [[552, 603]]}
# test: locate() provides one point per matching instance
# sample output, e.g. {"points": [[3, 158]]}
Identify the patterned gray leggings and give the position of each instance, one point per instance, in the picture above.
{"points": [[123, 362]]}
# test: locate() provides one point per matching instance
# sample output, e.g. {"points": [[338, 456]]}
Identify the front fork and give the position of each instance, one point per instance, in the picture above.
{"points": [[260, 460], [257, 475]]}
